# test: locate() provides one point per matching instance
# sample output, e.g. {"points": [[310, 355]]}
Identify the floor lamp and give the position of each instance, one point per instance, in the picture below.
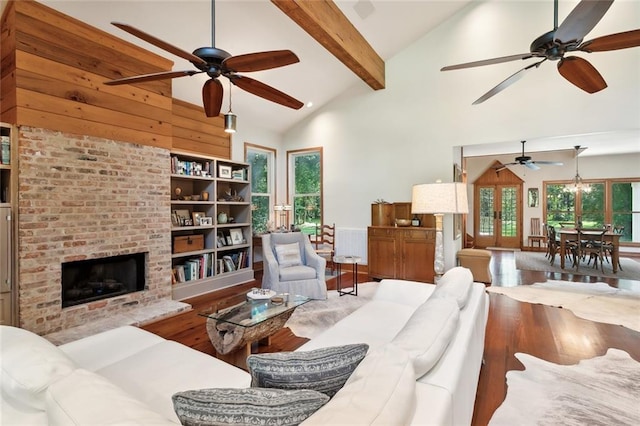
{"points": [[439, 199]]}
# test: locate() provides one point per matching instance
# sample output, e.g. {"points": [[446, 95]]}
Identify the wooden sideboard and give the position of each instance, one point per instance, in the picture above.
{"points": [[401, 252]]}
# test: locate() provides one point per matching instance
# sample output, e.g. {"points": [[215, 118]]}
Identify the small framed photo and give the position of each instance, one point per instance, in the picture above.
{"points": [[206, 221], [229, 240], [221, 240], [236, 236], [196, 217], [224, 171], [534, 197]]}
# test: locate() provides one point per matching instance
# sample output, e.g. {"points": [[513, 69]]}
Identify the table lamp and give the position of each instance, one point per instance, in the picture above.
{"points": [[439, 199]]}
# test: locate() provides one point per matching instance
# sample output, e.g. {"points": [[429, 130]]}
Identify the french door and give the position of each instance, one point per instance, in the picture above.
{"points": [[497, 220]]}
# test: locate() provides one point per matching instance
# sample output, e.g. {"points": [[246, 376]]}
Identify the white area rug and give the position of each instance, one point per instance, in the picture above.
{"points": [[312, 318], [599, 391], [536, 261], [592, 301]]}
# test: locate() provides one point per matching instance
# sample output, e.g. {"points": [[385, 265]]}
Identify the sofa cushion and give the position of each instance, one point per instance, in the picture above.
{"points": [[428, 332], [456, 283], [86, 398], [324, 370], [288, 254], [297, 273], [381, 391], [250, 406], [30, 364]]}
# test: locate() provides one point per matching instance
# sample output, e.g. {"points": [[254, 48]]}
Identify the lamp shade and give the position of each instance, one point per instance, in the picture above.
{"points": [[439, 198]]}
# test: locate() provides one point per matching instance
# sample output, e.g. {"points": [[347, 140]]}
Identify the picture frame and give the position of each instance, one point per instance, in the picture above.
{"points": [[236, 236], [183, 217], [206, 221], [224, 171], [533, 197], [196, 217], [221, 240]]}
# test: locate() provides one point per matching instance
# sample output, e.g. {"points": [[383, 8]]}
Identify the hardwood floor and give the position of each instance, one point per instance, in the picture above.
{"points": [[549, 333]]}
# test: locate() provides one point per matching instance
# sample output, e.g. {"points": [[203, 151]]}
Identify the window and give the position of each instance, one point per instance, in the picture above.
{"points": [[625, 209], [560, 205], [609, 202], [305, 187], [262, 161]]}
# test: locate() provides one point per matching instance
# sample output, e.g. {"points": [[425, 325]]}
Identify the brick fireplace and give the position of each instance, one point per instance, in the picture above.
{"points": [[83, 198]]}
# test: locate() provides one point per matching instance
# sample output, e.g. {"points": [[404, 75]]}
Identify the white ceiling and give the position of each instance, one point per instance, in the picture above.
{"points": [[246, 26]]}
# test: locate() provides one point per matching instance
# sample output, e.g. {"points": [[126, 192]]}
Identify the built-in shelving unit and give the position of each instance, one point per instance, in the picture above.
{"points": [[211, 224], [7, 202]]}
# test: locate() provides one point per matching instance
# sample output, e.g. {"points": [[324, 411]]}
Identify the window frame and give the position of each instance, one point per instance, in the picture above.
{"points": [[271, 154], [608, 200], [291, 155]]}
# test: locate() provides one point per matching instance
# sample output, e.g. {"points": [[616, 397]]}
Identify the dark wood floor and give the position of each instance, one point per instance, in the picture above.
{"points": [[549, 333]]}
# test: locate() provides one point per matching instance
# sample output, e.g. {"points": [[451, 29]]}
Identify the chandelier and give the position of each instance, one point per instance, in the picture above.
{"points": [[577, 184]]}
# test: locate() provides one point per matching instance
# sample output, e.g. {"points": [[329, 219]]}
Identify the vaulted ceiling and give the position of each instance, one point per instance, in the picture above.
{"points": [[340, 44]]}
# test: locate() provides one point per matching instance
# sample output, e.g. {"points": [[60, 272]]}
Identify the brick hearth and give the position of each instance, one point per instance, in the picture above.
{"points": [[84, 198]]}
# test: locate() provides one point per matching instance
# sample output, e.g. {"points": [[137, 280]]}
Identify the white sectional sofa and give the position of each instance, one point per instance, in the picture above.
{"points": [[425, 353]]}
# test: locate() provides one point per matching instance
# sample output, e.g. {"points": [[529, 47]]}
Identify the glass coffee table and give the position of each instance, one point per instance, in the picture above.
{"points": [[235, 325]]}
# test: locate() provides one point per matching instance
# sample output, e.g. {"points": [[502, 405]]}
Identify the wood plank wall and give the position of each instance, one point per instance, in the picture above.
{"points": [[195, 132], [53, 70]]}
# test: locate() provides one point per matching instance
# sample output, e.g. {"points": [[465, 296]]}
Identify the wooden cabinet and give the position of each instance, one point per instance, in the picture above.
{"points": [[211, 224], [401, 252]]}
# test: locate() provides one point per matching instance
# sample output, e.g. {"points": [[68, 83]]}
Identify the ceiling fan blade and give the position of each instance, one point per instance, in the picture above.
{"points": [[161, 44], [267, 92], [506, 83], [151, 77], [581, 73], [531, 165], [616, 41], [582, 19], [260, 61], [549, 163], [488, 62], [212, 97]]}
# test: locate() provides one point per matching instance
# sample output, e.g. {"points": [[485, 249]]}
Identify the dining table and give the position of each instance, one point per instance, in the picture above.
{"points": [[570, 234]]}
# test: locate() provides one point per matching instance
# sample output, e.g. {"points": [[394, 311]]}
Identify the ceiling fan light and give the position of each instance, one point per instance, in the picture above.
{"points": [[230, 122]]}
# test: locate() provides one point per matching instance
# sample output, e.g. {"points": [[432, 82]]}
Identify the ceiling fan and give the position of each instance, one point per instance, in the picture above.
{"points": [[564, 39], [525, 160], [216, 62]]}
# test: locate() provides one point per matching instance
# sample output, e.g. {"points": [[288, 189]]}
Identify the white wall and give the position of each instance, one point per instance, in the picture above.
{"points": [[377, 144]]}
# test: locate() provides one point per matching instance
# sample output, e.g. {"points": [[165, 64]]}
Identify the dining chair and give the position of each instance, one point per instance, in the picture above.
{"points": [[607, 246], [591, 244], [535, 236], [325, 243]]}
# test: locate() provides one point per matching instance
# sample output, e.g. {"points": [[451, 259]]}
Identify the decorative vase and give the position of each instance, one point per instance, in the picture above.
{"points": [[222, 217], [205, 196]]}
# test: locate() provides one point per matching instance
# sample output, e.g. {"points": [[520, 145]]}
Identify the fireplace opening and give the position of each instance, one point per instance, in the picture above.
{"points": [[86, 281]]}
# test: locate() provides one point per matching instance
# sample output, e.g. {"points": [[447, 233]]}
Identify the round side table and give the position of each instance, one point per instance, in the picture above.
{"points": [[347, 260]]}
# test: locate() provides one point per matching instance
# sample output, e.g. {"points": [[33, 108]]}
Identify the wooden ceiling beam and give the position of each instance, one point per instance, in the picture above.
{"points": [[326, 23]]}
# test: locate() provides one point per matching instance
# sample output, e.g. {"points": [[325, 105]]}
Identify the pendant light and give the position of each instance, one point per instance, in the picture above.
{"points": [[230, 117], [577, 184]]}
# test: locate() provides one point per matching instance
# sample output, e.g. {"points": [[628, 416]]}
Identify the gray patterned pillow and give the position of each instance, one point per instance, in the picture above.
{"points": [[324, 370], [251, 406]]}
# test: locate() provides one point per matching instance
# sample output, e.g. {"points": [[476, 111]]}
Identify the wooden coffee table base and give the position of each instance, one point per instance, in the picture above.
{"points": [[233, 342]]}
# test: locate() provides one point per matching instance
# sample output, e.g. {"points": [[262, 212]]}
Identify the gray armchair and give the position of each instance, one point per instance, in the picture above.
{"points": [[291, 269]]}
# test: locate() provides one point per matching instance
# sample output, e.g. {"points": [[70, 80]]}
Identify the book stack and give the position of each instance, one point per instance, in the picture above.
{"points": [[194, 269]]}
